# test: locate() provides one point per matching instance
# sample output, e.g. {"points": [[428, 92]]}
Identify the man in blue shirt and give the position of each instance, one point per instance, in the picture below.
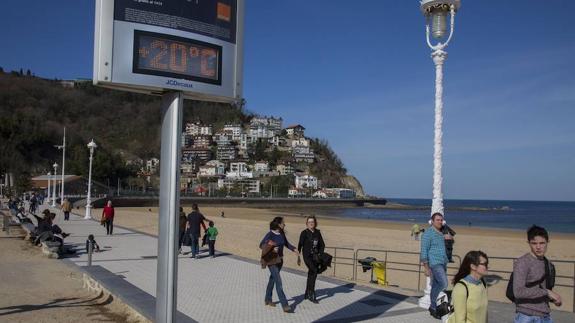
{"points": [[434, 259]]}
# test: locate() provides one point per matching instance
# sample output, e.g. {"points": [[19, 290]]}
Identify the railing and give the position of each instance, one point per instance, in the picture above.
{"points": [[404, 261]]}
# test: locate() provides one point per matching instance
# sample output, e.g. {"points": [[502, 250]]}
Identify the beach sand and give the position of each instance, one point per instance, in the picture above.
{"points": [[242, 229]]}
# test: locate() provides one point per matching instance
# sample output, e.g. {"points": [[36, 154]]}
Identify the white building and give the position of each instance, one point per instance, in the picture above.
{"points": [[152, 165], [206, 130], [305, 181], [300, 142], [261, 166], [239, 170], [247, 185], [235, 130], [211, 169], [193, 128], [295, 131], [285, 169]]}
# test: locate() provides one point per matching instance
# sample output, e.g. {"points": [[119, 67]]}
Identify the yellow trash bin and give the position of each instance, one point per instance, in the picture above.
{"points": [[379, 272]]}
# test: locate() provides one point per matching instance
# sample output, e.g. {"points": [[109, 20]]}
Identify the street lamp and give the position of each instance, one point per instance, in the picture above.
{"points": [[49, 183], [91, 145], [436, 12], [63, 147], [54, 190]]}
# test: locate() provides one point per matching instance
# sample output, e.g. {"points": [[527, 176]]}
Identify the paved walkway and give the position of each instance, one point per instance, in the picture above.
{"points": [[231, 289]]}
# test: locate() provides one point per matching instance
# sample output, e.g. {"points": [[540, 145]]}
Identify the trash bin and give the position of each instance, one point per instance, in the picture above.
{"points": [[379, 271]]}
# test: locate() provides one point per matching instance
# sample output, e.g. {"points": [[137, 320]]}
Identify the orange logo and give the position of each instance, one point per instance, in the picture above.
{"points": [[224, 11]]}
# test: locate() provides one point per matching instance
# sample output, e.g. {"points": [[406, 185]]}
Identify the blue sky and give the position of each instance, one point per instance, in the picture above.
{"points": [[358, 74]]}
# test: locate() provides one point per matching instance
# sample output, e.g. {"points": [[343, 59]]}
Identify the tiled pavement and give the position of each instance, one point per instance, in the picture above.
{"points": [[231, 289]]}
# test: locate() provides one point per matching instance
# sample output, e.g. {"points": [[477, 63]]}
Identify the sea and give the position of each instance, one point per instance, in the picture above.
{"points": [[519, 215]]}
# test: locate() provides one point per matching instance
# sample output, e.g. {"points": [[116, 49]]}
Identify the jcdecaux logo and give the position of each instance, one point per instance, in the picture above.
{"points": [[180, 84]]}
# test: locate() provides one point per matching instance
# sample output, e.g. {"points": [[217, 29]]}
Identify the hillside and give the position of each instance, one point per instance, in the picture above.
{"points": [[126, 126]]}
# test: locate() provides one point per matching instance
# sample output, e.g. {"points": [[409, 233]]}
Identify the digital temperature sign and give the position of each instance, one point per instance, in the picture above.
{"points": [[177, 57]]}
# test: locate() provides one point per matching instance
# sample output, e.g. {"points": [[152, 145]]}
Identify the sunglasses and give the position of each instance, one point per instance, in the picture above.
{"points": [[486, 264]]}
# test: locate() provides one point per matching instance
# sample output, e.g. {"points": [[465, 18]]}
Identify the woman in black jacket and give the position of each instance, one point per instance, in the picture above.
{"points": [[311, 241]]}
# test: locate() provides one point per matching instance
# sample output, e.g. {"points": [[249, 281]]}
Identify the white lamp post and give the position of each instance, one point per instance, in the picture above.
{"points": [[436, 12], [91, 145], [54, 190], [63, 147], [49, 184]]}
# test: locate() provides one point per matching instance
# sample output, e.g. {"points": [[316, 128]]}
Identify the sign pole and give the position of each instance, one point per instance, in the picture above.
{"points": [[167, 271]]}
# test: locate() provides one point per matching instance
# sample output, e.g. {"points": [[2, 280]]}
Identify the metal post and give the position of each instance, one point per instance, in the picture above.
{"points": [[167, 272], [54, 190], [90, 251], [49, 184]]}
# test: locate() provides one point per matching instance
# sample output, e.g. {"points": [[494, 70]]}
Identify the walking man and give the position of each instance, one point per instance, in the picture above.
{"points": [[195, 220], [434, 259], [66, 208], [532, 281]]}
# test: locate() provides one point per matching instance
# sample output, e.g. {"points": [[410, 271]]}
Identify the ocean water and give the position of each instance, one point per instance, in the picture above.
{"points": [[519, 215]]}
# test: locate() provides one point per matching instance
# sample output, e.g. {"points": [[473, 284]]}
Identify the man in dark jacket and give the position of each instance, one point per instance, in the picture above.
{"points": [[195, 221]]}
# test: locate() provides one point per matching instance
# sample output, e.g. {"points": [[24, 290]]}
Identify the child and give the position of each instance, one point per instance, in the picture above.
{"points": [[212, 232], [91, 240]]}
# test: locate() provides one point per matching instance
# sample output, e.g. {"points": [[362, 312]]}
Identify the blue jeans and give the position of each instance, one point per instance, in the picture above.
{"points": [[523, 318], [438, 283], [194, 244], [276, 279]]}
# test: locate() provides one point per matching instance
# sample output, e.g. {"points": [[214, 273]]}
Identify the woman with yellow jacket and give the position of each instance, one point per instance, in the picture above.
{"points": [[469, 296]]}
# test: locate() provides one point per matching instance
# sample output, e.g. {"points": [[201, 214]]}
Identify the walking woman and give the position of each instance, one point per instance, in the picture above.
{"points": [[311, 241], [108, 217], [469, 296], [274, 242]]}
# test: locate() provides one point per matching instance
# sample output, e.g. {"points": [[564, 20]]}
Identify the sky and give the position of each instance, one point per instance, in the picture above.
{"points": [[359, 75]]}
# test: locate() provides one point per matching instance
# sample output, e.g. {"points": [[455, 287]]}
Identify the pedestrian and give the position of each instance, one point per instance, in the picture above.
{"points": [[434, 258], [33, 203], [311, 246], [448, 236], [415, 231], [222, 215], [532, 281], [274, 242], [108, 217], [195, 221], [66, 208], [212, 232], [182, 227], [469, 296]]}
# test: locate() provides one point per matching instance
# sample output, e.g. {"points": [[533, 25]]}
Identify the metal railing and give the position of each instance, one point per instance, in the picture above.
{"points": [[341, 259]]}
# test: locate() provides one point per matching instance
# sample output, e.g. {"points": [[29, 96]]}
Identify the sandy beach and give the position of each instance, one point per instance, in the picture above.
{"points": [[242, 229]]}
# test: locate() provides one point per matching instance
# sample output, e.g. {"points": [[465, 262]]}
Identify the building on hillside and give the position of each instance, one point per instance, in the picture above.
{"points": [[187, 140], [152, 165], [299, 142], [193, 128], [226, 152], [222, 138], [239, 170], [201, 141], [306, 181], [285, 169], [303, 154], [235, 130], [190, 155], [294, 192], [246, 185], [206, 130], [261, 166], [295, 131], [212, 168]]}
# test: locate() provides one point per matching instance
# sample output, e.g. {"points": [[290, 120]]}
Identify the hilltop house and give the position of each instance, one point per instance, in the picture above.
{"points": [[306, 181]]}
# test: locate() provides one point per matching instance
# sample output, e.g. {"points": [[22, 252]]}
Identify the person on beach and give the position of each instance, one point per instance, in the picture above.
{"points": [[108, 217], [212, 233], [275, 241], [416, 231], [448, 235], [469, 295], [434, 258], [195, 221], [66, 208], [531, 282], [311, 242]]}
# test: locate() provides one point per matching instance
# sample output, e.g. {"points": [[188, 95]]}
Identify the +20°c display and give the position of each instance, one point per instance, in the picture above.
{"points": [[177, 57]]}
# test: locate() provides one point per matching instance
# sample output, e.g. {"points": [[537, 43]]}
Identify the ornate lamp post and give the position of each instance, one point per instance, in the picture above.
{"points": [[91, 145], [63, 147], [436, 12], [54, 190], [49, 184]]}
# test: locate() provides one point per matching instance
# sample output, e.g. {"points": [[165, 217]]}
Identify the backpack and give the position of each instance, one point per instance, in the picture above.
{"points": [[549, 278], [446, 307]]}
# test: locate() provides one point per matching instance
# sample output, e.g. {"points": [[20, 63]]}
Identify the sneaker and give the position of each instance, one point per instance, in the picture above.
{"points": [[270, 303], [287, 309], [65, 234]]}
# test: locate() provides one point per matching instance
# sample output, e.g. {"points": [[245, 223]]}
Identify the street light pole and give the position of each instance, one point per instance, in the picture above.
{"points": [[436, 11], [91, 145], [54, 190], [49, 183], [63, 147]]}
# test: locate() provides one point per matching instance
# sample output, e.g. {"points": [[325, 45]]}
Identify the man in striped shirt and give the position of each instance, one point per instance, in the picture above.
{"points": [[434, 258]]}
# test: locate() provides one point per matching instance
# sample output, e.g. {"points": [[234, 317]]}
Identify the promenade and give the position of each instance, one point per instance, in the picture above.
{"points": [[228, 288]]}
